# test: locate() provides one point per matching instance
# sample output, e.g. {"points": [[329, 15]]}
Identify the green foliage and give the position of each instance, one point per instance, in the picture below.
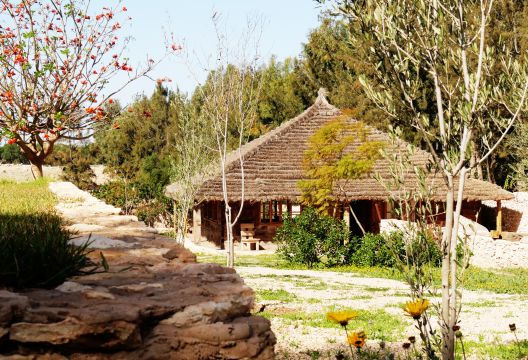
{"points": [[154, 210], [145, 131], [118, 193], [11, 154], [63, 154], [373, 250], [339, 150], [517, 179], [137, 155], [35, 251], [79, 172], [332, 61], [144, 199], [279, 100], [311, 239], [391, 250], [34, 248]]}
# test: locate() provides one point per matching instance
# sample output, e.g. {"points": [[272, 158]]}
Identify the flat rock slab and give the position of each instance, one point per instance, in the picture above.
{"points": [[100, 242], [147, 306]]}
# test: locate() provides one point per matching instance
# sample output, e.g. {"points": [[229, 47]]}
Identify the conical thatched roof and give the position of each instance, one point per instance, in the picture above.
{"points": [[273, 165]]}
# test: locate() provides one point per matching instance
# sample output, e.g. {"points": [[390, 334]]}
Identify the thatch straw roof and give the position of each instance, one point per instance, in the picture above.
{"points": [[273, 165]]}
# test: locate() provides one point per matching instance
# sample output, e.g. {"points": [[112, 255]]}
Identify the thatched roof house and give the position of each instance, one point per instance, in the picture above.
{"points": [[273, 167]]}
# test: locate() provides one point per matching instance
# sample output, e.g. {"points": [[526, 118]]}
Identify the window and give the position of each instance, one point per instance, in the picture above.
{"points": [[271, 211], [265, 211]]}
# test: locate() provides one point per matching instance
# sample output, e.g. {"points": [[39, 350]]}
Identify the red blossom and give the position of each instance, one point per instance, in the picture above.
{"points": [[12, 141]]}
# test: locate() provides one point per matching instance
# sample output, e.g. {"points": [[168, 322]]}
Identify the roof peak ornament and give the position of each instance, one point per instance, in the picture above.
{"points": [[321, 97]]}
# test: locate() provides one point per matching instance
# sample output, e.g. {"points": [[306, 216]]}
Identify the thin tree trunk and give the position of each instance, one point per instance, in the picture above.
{"points": [[447, 330], [230, 242], [453, 256]]}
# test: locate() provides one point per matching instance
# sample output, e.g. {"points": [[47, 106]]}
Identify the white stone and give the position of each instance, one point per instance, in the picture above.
{"points": [[100, 242], [71, 286]]}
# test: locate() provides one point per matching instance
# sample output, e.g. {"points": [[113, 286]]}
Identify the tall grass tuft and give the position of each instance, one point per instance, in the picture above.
{"points": [[34, 247]]}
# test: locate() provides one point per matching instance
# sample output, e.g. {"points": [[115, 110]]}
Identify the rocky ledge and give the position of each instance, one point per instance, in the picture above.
{"points": [[155, 302]]}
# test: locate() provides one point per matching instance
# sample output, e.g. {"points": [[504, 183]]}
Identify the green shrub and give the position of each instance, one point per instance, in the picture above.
{"points": [[311, 239], [136, 198], [11, 154], [384, 250], [373, 250], [35, 251], [120, 194], [154, 210], [34, 247], [79, 172]]}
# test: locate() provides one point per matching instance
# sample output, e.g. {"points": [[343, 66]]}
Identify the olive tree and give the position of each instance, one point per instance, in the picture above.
{"points": [[478, 91]]}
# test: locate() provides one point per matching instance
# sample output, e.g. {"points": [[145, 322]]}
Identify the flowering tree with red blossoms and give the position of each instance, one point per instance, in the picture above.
{"points": [[57, 56]]}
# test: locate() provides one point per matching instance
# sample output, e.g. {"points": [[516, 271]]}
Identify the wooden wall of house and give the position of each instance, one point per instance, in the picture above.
{"points": [[210, 225], [210, 222]]}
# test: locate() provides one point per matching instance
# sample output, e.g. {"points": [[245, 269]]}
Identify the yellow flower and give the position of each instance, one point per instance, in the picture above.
{"points": [[341, 317], [357, 339], [416, 308]]}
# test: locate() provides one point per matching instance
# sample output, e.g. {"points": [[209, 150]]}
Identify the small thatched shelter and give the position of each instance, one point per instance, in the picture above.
{"points": [[273, 167]]}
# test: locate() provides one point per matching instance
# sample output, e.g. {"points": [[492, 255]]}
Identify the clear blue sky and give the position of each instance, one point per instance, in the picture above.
{"points": [[286, 26]]}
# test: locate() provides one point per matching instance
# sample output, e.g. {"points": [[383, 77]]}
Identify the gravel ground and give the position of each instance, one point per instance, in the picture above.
{"points": [[485, 316]]}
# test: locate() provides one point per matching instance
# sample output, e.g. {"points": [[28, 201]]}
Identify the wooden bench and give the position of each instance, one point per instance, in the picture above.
{"points": [[247, 237]]}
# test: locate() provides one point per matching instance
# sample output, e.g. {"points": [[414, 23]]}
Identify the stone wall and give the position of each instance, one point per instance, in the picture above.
{"points": [[487, 252]]}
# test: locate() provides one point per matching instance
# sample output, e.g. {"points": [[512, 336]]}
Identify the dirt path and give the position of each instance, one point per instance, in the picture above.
{"points": [[92, 218]]}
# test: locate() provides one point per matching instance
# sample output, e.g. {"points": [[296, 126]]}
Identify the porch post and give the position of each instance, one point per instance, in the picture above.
{"points": [[346, 215], [197, 223], [499, 217]]}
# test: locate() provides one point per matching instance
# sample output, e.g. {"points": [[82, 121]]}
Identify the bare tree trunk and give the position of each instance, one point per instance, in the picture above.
{"points": [[36, 168], [230, 240], [356, 219], [447, 329]]}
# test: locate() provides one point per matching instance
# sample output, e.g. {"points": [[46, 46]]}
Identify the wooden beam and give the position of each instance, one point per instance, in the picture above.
{"points": [[496, 234], [499, 216]]}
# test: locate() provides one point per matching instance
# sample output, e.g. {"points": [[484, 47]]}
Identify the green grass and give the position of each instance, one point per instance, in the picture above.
{"points": [[26, 198], [266, 260], [494, 350], [379, 324], [486, 303], [504, 281], [275, 295]]}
